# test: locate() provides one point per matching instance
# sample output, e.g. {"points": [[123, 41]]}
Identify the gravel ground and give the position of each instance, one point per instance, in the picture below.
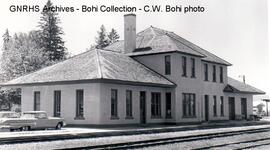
{"points": [[219, 141], [116, 139]]}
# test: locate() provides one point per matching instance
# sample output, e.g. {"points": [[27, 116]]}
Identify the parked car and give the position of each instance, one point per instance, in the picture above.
{"points": [[30, 120], [11, 121], [42, 121]]}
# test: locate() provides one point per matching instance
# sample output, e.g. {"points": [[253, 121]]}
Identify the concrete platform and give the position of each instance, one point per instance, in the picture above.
{"points": [[74, 133]]}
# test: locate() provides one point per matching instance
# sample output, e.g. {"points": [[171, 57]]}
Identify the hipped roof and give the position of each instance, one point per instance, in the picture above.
{"points": [[162, 41], [95, 65], [235, 86]]}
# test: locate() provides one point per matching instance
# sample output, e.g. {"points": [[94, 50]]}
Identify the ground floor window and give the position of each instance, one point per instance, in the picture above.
{"points": [[128, 103], [57, 103], [155, 104], [113, 103], [168, 105], [79, 104], [189, 105], [221, 106], [36, 100], [215, 105]]}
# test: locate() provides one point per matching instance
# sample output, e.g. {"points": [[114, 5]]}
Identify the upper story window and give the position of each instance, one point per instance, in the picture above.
{"points": [[184, 66], [192, 67], [214, 74], [221, 74], [167, 65], [205, 72]]}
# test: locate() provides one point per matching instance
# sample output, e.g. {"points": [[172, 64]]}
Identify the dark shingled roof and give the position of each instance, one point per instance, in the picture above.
{"points": [[236, 86], [164, 41], [95, 64]]}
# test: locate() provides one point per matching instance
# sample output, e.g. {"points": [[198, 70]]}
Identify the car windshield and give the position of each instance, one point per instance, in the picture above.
{"points": [[9, 115]]}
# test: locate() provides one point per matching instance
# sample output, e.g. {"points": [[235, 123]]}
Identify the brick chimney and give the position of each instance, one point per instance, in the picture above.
{"points": [[130, 32]]}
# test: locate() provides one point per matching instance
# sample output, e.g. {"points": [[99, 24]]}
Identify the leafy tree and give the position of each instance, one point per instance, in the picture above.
{"points": [[50, 34], [102, 39], [113, 36], [260, 107], [22, 55]]}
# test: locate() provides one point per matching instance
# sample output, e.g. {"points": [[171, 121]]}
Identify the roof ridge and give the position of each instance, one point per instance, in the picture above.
{"points": [[99, 64], [196, 46], [184, 43]]}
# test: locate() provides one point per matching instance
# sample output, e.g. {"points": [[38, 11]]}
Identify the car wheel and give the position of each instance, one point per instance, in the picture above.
{"points": [[58, 126], [11, 130], [26, 128]]}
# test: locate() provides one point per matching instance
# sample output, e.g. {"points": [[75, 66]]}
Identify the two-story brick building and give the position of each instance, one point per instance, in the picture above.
{"points": [[154, 76]]}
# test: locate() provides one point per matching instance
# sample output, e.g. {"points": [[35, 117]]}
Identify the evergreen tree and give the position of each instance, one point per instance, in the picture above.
{"points": [[102, 38], [22, 55], [113, 36], [50, 34], [6, 38]]}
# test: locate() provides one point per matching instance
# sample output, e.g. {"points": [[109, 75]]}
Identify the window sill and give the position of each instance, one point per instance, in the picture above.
{"points": [[79, 118], [156, 117], [114, 118], [129, 117], [186, 117]]}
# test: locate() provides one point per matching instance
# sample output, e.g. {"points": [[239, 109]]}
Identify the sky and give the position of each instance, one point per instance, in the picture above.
{"points": [[235, 30]]}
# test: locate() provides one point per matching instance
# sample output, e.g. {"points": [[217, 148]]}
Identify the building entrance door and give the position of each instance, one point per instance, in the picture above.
{"points": [[143, 107], [231, 108], [206, 107], [244, 107]]}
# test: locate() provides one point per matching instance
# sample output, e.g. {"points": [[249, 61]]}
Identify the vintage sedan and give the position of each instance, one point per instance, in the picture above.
{"points": [[12, 121], [29, 120], [42, 121]]}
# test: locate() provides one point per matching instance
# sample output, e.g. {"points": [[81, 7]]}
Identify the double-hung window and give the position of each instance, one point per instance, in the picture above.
{"points": [[189, 105], [128, 104], [79, 104], [155, 104]]}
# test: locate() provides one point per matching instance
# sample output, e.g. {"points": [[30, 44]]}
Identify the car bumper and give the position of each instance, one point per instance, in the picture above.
{"points": [[5, 128]]}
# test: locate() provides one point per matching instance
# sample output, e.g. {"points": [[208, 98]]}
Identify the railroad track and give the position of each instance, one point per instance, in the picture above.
{"points": [[165, 141]]}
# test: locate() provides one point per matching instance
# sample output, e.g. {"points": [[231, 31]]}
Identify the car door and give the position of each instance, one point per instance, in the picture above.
{"points": [[42, 121]]}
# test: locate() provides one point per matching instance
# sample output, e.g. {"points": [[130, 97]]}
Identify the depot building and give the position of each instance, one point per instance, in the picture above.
{"points": [[151, 77]]}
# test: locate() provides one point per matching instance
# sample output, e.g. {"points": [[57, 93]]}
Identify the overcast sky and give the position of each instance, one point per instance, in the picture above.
{"points": [[235, 30]]}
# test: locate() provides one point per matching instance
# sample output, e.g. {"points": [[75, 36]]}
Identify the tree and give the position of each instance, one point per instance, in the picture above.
{"points": [[102, 39], [50, 34], [260, 107], [113, 36], [6, 39], [22, 55]]}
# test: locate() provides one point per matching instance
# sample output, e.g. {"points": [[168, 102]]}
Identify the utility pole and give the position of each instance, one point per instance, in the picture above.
{"points": [[243, 77], [266, 101]]}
